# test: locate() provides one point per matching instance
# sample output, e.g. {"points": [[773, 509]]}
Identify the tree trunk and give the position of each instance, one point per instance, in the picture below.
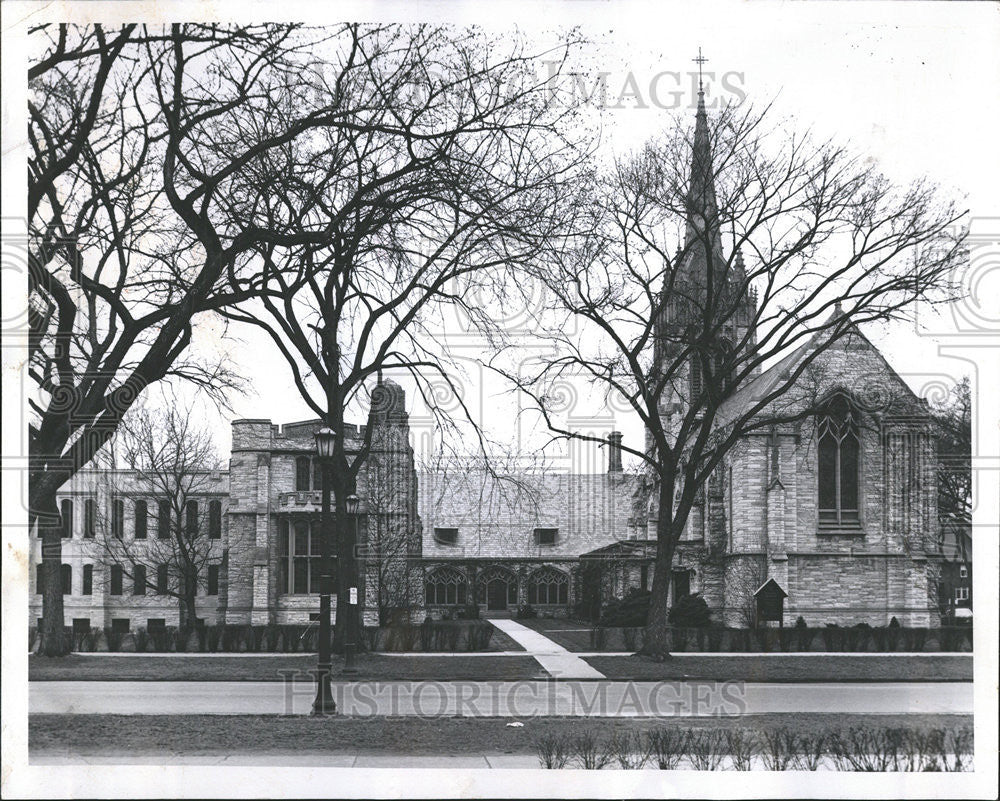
{"points": [[46, 513], [657, 641], [188, 611]]}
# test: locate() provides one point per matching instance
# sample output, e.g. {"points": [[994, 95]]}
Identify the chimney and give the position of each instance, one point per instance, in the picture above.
{"points": [[615, 452]]}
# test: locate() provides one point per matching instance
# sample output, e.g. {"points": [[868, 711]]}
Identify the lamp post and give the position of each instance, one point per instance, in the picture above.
{"points": [[350, 630], [326, 439]]}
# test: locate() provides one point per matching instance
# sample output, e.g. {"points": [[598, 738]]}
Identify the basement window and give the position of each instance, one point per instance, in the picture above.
{"points": [[446, 536], [546, 536]]}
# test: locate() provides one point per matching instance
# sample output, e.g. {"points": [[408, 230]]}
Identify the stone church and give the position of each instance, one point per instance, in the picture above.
{"points": [[838, 510]]}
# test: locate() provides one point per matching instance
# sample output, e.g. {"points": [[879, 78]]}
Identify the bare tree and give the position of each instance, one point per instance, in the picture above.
{"points": [[167, 464], [135, 135], [680, 330], [954, 422], [448, 172]]}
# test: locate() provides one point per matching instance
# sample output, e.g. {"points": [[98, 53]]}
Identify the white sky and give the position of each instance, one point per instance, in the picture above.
{"points": [[910, 85]]}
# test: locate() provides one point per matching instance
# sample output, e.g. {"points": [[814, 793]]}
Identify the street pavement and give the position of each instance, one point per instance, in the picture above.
{"points": [[515, 699]]}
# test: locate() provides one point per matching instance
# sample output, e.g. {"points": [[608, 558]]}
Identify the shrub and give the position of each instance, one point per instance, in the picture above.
{"points": [[477, 637], [742, 746], [715, 639], [32, 637], [864, 637], [213, 635], [553, 751], [201, 632], [141, 640], [704, 748], [114, 639], [633, 637], [588, 752], [628, 749], [598, 638], [690, 611], [778, 748], [919, 639], [960, 750], [803, 636], [372, 636], [632, 610], [880, 637], [271, 635], [666, 747], [893, 634], [427, 635], [526, 612], [680, 638], [809, 754], [181, 637]]}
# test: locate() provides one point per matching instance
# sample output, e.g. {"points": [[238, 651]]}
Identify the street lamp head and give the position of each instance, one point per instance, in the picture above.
{"points": [[353, 504], [325, 439]]}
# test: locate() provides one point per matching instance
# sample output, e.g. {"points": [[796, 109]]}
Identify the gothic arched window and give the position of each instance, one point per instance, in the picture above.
{"points": [[445, 587], [548, 586], [839, 454]]}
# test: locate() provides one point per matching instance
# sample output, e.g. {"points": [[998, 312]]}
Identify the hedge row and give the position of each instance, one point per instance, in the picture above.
{"points": [[861, 748], [289, 639], [834, 639]]}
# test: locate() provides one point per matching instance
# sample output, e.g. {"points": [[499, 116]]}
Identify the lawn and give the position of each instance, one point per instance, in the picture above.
{"points": [[821, 667], [95, 667], [196, 734]]}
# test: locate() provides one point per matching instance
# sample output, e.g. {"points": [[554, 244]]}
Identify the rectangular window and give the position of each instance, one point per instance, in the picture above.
{"points": [[644, 577], [116, 579], [66, 579], [446, 536], [40, 579], [317, 471], [299, 556], [88, 579], [139, 580], [89, 518], [546, 536], [66, 515], [963, 571], [141, 519], [191, 519], [117, 518], [120, 625], [161, 580], [215, 519], [302, 470], [156, 624], [682, 584], [213, 580], [961, 593], [81, 625], [163, 520]]}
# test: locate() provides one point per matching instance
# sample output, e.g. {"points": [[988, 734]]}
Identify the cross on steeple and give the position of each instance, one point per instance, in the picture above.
{"points": [[699, 61]]}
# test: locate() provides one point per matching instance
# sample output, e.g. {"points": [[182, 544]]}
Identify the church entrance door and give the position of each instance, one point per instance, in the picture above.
{"points": [[496, 595]]}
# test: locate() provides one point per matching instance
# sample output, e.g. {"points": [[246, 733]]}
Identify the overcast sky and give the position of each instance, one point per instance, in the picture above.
{"points": [[912, 85]]}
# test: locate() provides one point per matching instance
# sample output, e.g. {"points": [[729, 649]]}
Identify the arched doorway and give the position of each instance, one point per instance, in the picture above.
{"points": [[498, 587]]}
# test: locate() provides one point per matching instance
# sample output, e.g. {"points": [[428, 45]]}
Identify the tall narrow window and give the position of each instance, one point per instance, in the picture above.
{"points": [[163, 520], [839, 457], [213, 580], [317, 470], [40, 579], [215, 519], [141, 519], [89, 518], [88, 579], [299, 562], [302, 471], [696, 377], [139, 580], [161, 579], [117, 518], [116, 579], [66, 514], [66, 579], [191, 519]]}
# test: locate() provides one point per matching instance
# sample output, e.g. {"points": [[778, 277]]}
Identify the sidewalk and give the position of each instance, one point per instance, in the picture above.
{"points": [[556, 660], [516, 699]]}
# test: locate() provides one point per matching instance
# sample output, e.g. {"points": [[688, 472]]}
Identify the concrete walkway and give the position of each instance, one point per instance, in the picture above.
{"points": [[514, 699], [556, 660]]}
